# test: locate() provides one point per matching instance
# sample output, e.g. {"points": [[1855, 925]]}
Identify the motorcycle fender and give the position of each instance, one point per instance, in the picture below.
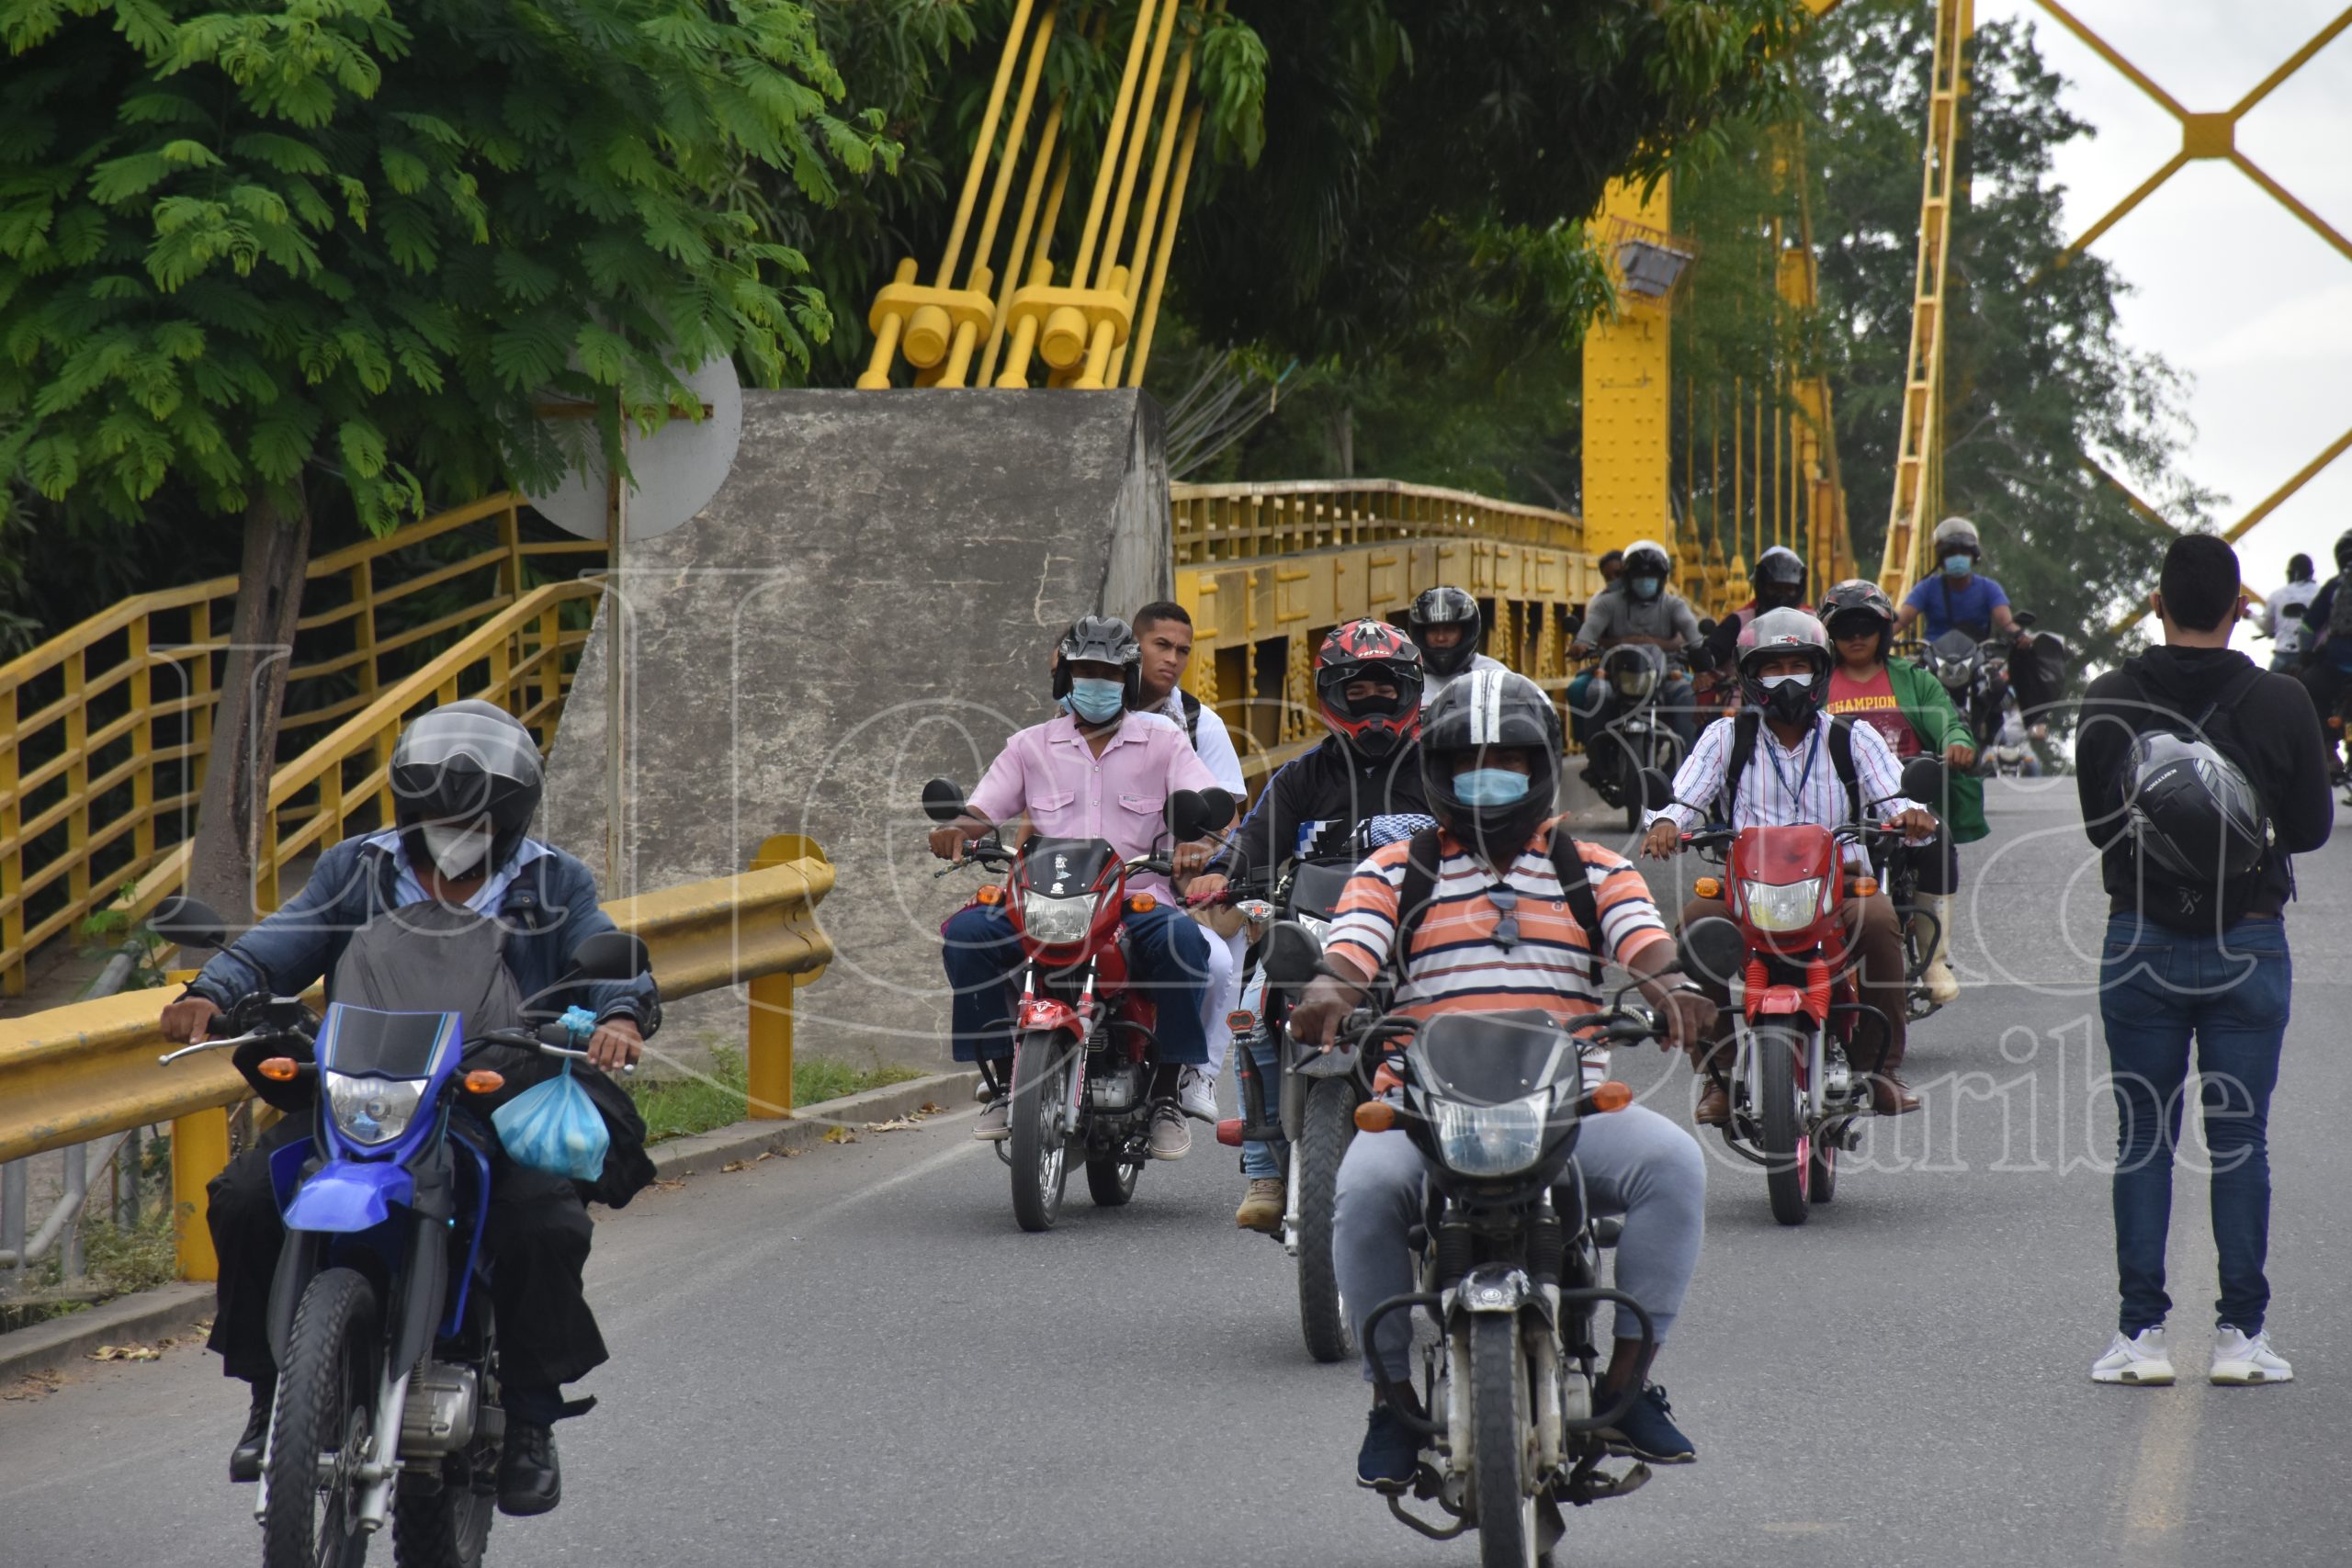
{"points": [[1493, 1287], [1045, 1013], [417, 1295], [1777, 1001], [349, 1196]]}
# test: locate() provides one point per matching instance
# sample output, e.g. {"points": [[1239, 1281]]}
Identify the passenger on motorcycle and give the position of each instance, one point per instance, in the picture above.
{"points": [[1164, 630], [1102, 770], [1814, 769], [2283, 614], [1637, 607], [465, 782], [1368, 685], [1779, 579], [1913, 715], [1499, 932], [1960, 595], [1446, 624]]}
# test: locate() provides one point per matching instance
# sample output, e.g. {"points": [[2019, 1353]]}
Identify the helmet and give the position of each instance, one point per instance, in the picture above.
{"points": [[1855, 597], [2191, 810], [1953, 535], [2298, 568], [2344, 550], [1646, 557], [1495, 708], [1446, 606], [1771, 634], [465, 782], [1374, 727], [1099, 639], [1779, 578]]}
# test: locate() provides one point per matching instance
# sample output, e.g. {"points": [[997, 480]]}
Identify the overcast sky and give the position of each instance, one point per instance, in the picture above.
{"points": [[2229, 286]]}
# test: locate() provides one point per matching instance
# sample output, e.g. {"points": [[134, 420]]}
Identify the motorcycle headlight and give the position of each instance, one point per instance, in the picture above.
{"points": [[1057, 922], [1490, 1140], [372, 1109], [1634, 680], [1782, 906], [1314, 926]]}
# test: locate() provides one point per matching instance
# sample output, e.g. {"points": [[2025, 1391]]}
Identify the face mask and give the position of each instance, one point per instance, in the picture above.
{"points": [[1958, 566], [1788, 698], [1490, 787], [457, 850], [1095, 700], [1646, 587]]}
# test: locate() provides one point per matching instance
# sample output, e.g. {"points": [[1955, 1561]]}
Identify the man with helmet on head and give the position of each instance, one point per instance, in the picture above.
{"points": [[1783, 762], [1102, 768], [1957, 594], [1498, 909], [1446, 626], [2199, 774], [1367, 774], [1779, 580], [457, 866], [1640, 607], [2327, 657]]}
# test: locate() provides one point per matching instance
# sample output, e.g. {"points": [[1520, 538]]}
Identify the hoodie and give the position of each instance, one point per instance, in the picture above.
{"points": [[2272, 733]]}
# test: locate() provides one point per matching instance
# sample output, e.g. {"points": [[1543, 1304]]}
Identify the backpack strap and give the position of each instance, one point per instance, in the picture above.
{"points": [[1421, 856], [1841, 757], [1576, 886], [1743, 752], [1191, 717]]}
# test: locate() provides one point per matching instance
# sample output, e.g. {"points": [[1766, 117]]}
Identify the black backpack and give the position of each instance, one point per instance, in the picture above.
{"points": [[2164, 897], [1191, 717], [1743, 753], [1420, 885]]}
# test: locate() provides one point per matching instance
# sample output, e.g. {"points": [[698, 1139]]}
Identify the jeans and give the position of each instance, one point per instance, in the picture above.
{"points": [[1168, 950], [2158, 989], [1636, 1163]]}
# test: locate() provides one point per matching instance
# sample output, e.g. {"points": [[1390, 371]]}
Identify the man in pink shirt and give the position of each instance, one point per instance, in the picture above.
{"points": [[1102, 770]]}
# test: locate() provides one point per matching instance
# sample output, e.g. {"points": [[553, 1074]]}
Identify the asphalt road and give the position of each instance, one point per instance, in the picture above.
{"points": [[854, 1358]]}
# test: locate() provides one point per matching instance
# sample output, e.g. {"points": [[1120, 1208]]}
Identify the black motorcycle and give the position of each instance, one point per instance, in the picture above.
{"points": [[1630, 733], [1976, 672]]}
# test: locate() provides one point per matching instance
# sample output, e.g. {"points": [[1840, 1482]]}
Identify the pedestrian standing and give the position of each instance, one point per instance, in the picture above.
{"points": [[2282, 615], [2200, 774]]}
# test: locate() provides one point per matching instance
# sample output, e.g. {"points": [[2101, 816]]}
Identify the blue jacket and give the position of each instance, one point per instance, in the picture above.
{"points": [[551, 908]]}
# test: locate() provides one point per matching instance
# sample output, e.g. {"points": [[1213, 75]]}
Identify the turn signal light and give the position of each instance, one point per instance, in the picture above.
{"points": [[2335, 721], [1864, 886], [1376, 1116], [1142, 903], [481, 1081], [992, 894], [279, 1069], [1612, 1096], [1708, 887]]}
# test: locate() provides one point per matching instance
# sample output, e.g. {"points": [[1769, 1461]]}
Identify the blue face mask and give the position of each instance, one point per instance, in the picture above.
{"points": [[1958, 566], [1490, 787], [1646, 587], [1095, 700]]}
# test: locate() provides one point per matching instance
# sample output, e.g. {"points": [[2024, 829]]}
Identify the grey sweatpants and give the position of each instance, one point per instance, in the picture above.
{"points": [[1636, 1163]]}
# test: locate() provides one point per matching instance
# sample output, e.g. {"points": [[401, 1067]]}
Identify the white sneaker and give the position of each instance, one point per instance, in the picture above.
{"points": [[1170, 1139], [995, 1123], [2142, 1360], [1196, 1092], [2240, 1360]]}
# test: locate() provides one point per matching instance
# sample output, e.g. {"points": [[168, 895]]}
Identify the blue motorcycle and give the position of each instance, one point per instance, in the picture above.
{"points": [[379, 1317]]}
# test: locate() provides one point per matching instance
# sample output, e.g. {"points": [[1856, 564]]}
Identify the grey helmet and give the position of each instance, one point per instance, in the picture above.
{"points": [[1956, 534], [2192, 811], [466, 780], [1100, 639]]}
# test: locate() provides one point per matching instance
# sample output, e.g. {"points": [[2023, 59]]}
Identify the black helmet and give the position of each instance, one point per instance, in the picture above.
{"points": [[2298, 568], [459, 769], [1100, 639], [1855, 598], [2344, 550], [1779, 578], [1446, 606], [1771, 634], [1646, 557], [1501, 709], [2192, 811]]}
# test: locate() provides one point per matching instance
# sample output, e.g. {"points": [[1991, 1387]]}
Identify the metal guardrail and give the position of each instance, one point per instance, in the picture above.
{"points": [[1247, 522]]}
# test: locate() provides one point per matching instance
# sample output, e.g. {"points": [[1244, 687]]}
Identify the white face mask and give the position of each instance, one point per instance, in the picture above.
{"points": [[1770, 682], [457, 850]]}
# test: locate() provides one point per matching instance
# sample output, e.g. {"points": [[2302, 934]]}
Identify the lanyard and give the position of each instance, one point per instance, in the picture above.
{"points": [[1805, 775]]}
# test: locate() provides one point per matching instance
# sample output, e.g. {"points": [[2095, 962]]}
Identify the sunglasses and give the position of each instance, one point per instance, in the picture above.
{"points": [[1506, 902]]}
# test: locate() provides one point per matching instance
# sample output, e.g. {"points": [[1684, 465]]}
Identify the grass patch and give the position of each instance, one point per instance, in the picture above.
{"points": [[676, 1107], [115, 1260]]}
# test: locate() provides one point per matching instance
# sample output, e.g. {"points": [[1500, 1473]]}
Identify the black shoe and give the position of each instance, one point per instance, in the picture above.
{"points": [[529, 1479], [244, 1460], [1647, 1431], [1391, 1455]]}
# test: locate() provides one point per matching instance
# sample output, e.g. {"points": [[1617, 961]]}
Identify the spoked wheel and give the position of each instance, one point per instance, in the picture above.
{"points": [[1039, 1144], [1821, 1173], [1788, 1154], [1501, 1435], [1326, 1126], [320, 1432], [1111, 1179], [448, 1527]]}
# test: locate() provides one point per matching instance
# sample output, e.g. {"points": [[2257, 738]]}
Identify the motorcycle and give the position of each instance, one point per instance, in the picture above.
{"points": [[1508, 1261], [1976, 674], [1637, 736], [1083, 1053], [380, 1318], [1796, 1099]]}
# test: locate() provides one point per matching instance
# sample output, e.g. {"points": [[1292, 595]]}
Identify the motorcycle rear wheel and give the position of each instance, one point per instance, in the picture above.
{"points": [[1040, 1150], [1329, 1123], [1111, 1179], [446, 1528], [1781, 1124], [325, 1391], [1501, 1426]]}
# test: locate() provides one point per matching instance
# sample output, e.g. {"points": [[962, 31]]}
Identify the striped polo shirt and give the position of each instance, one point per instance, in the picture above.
{"points": [[1455, 965]]}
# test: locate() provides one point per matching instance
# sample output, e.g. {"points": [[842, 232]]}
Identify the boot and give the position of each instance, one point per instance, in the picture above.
{"points": [[529, 1479], [244, 1460], [1889, 1096], [1714, 1109], [1943, 985]]}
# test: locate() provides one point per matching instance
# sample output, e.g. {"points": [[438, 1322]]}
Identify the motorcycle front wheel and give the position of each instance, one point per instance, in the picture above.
{"points": [[1501, 1435], [1788, 1156], [1038, 1143], [1327, 1124], [320, 1430]]}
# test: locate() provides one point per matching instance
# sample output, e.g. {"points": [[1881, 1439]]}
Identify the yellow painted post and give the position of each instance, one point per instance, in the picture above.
{"points": [[12, 853], [142, 747], [767, 1077], [1626, 451], [199, 1153]]}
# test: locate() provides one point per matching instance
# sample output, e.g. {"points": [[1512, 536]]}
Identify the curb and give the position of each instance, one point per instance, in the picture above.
{"points": [[145, 1317]]}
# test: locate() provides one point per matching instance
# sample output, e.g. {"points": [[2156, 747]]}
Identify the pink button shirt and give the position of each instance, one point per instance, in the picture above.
{"points": [[1049, 771]]}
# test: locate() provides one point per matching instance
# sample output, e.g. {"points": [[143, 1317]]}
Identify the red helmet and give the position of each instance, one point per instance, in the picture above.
{"points": [[1372, 727]]}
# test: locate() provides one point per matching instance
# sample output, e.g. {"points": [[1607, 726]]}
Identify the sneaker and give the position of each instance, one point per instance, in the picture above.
{"points": [[1262, 1209], [2140, 1359], [1196, 1092], [1391, 1455], [1647, 1431], [995, 1123], [2240, 1362], [1170, 1139]]}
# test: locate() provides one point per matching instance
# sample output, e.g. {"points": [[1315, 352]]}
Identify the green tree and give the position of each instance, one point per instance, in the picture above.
{"points": [[256, 255]]}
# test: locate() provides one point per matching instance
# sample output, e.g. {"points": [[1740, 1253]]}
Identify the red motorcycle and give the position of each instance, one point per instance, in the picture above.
{"points": [[1084, 1051]]}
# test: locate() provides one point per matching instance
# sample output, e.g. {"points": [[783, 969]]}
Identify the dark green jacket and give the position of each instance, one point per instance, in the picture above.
{"points": [[1938, 723]]}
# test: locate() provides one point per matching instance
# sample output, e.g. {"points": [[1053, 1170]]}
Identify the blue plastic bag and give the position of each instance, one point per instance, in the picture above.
{"points": [[554, 1127]]}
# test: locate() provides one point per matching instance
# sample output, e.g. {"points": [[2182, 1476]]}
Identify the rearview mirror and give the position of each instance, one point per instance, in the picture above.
{"points": [[1193, 813], [1217, 808], [2022, 617], [1658, 790], [1706, 626], [1292, 957], [612, 956], [943, 800], [189, 922], [1925, 779], [1712, 951], [1572, 623]]}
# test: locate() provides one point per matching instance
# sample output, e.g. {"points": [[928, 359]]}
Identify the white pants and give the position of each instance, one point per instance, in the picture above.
{"points": [[1222, 994]]}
